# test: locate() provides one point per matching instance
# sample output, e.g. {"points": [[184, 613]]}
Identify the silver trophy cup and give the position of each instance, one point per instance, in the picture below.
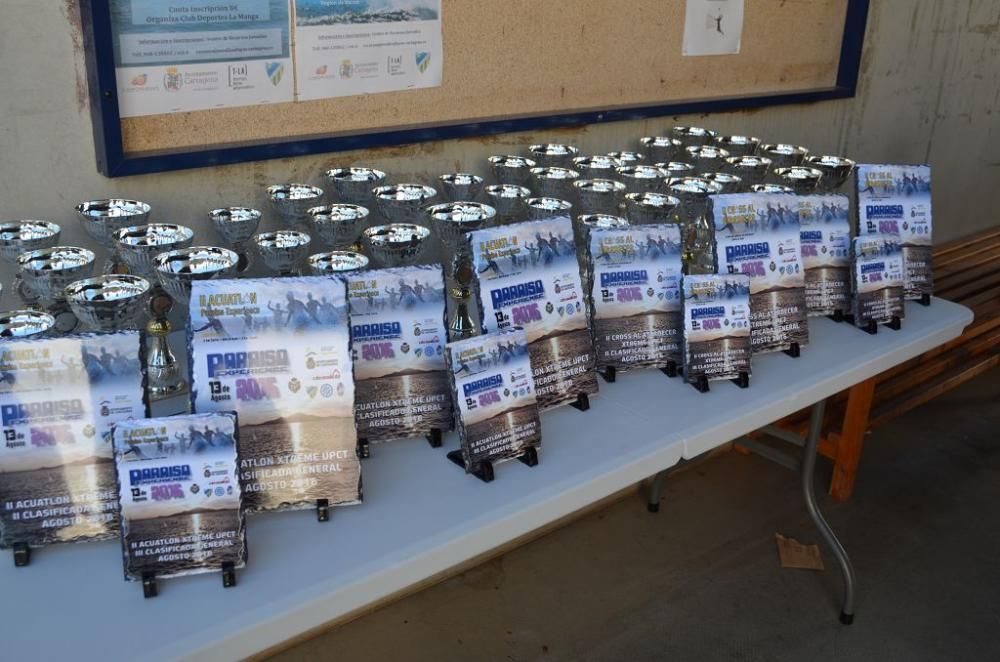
{"points": [[642, 178], [102, 218], [628, 158], [510, 169], [836, 170], [693, 135], [138, 245], [659, 149], [339, 226], [111, 302], [25, 323], [355, 185], [706, 158], [283, 250], [553, 182], [677, 169], [770, 188], [738, 145], [540, 209], [396, 244], [335, 262], [599, 196], [729, 182], [551, 155], [582, 226], [403, 203], [47, 271], [783, 155], [650, 208], [800, 179], [291, 202], [236, 225], [453, 221], [176, 270], [509, 201], [19, 237], [458, 186], [751, 169]]}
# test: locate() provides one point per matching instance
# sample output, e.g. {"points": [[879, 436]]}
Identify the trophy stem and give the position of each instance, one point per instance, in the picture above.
{"points": [[461, 324], [162, 368]]}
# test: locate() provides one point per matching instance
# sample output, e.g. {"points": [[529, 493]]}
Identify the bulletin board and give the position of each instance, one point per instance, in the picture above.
{"points": [[509, 65]]}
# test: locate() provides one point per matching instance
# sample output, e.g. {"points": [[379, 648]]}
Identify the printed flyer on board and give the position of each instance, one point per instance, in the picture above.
{"points": [[757, 235], [637, 316], [495, 396], [277, 351], [825, 233], [59, 398], [398, 336], [179, 489], [529, 276], [716, 326], [896, 199], [348, 47], [878, 279], [182, 55]]}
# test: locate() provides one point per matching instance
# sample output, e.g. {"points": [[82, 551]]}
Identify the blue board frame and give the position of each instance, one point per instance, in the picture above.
{"points": [[112, 160]]}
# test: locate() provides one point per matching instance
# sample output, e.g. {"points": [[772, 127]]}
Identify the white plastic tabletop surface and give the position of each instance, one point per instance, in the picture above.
{"points": [[422, 515]]}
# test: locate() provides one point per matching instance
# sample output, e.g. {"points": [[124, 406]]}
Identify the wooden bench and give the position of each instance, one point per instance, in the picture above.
{"points": [[966, 271]]}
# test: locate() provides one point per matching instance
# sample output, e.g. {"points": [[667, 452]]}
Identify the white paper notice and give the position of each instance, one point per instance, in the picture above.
{"points": [[348, 47], [179, 55], [713, 27]]}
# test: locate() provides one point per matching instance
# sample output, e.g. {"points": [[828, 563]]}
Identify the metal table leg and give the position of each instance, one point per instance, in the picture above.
{"points": [[808, 471], [653, 505]]}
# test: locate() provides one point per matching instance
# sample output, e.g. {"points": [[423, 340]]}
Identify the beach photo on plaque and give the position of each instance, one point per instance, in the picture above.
{"points": [[179, 490], [825, 234], [495, 396], [637, 317], [896, 199], [398, 335], [529, 276], [277, 351], [757, 235], [877, 279], [59, 398], [716, 326]]}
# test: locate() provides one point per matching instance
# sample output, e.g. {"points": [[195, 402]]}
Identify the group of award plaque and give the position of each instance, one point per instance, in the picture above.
{"points": [[689, 256]]}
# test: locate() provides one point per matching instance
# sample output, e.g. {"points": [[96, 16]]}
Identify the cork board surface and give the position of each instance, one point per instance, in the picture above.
{"points": [[515, 58]]}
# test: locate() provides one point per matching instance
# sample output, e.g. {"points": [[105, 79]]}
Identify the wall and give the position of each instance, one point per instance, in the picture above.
{"points": [[929, 85]]}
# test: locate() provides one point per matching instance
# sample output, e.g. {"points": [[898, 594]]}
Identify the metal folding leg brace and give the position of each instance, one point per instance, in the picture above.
{"points": [[807, 466]]}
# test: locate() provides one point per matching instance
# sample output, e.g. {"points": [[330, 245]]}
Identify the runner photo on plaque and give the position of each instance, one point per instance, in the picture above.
{"points": [[59, 398], [757, 235], [529, 277], [179, 490], [637, 318], [716, 326], [277, 351], [825, 233], [878, 279], [495, 396], [398, 337], [896, 199]]}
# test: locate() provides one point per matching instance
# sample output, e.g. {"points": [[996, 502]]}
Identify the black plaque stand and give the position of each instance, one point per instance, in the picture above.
{"points": [[792, 351], [483, 470], [434, 438], [22, 554], [671, 370], [149, 588], [322, 510], [872, 328], [228, 575], [743, 381], [609, 374], [838, 316], [364, 449], [700, 383], [582, 402], [925, 299]]}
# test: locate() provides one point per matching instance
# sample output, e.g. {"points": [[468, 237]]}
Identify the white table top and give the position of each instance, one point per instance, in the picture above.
{"points": [[423, 515]]}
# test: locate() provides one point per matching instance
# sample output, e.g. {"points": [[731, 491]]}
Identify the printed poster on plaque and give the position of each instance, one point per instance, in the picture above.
{"points": [[825, 234], [757, 235], [59, 398], [637, 318], [529, 276], [495, 396], [179, 490], [877, 279], [398, 336], [716, 326], [896, 199], [277, 351]]}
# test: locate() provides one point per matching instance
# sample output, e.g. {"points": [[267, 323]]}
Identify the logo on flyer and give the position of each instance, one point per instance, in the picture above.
{"points": [[394, 65], [346, 69], [139, 80], [423, 60], [321, 70], [172, 79], [238, 75], [274, 70]]}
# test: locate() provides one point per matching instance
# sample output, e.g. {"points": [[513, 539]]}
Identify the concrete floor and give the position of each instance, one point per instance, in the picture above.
{"points": [[701, 580]]}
